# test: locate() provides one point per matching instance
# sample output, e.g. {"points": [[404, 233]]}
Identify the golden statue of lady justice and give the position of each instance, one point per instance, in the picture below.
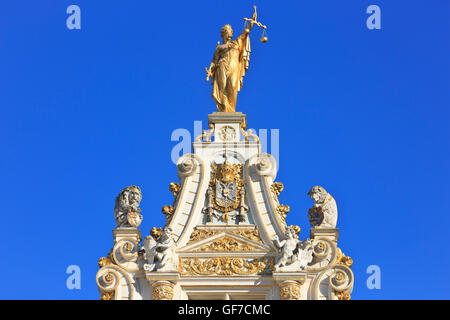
{"points": [[229, 64]]}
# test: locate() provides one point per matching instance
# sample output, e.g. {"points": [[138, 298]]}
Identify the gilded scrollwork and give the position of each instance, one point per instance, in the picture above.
{"points": [[276, 189], [226, 245], [281, 209], [200, 234], [225, 266], [169, 210], [343, 259]]}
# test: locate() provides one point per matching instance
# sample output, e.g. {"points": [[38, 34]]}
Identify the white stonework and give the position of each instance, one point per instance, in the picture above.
{"points": [[323, 214], [226, 236]]}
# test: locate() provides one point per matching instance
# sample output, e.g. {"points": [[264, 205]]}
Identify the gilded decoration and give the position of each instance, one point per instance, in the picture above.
{"points": [[296, 230], [276, 188], [290, 291], [156, 233], [162, 291], [168, 211], [230, 62], [104, 261], [108, 277], [281, 209], [107, 296], [201, 234], [344, 295], [226, 245], [225, 266], [175, 188], [343, 259], [226, 183]]}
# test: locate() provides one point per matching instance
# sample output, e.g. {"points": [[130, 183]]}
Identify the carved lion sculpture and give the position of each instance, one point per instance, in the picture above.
{"points": [[126, 211], [323, 213]]}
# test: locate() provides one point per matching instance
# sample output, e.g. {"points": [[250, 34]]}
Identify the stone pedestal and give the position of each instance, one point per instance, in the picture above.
{"points": [[330, 233], [127, 233]]}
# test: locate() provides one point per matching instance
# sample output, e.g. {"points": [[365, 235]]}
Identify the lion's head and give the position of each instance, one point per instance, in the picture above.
{"points": [[318, 194]]}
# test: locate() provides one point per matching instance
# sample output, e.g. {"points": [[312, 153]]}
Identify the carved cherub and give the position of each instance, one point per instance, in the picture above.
{"points": [[287, 246], [149, 248], [323, 214], [294, 254], [165, 251], [126, 210]]}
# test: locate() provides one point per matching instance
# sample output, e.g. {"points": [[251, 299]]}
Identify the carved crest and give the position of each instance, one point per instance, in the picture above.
{"points": [[226, 182]]}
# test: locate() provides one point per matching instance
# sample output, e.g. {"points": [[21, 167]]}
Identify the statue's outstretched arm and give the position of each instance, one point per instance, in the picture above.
{"points": [[246, 30]]}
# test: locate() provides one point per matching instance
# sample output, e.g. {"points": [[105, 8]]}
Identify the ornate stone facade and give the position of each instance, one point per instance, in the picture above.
{"points": [[205, 242], [226, 230]]}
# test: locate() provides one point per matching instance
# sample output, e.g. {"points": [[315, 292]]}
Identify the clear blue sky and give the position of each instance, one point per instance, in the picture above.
{"points": [[87, 112]]}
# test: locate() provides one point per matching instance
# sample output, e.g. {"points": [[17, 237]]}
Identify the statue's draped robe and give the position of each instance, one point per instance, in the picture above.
{"points": [[231, 61]]}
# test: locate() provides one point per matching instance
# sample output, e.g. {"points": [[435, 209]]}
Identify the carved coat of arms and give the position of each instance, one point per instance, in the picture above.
{"points": [[226, 183]]}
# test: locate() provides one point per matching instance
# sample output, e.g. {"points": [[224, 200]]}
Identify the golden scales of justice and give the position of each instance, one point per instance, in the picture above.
{"points": [[264, 37]]}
